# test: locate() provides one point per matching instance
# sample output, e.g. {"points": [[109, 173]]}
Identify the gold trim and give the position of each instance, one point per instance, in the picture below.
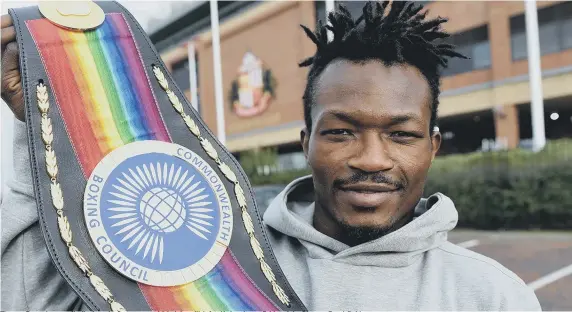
{"points": [[58, 202], [231, 176], [76, 15]]}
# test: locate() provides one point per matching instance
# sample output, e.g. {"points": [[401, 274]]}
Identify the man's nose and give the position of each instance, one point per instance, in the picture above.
{"points": [[372, 155]]}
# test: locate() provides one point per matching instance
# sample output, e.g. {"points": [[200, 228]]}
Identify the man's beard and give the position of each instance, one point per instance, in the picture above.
{"points": [[353, 235], [356, 235]]}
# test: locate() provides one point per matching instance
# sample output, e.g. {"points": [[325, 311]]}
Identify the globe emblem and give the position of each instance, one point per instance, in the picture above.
{"points": [[162, 209], [150, 208]]}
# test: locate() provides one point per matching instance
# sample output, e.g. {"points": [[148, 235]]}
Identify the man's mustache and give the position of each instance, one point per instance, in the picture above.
{"points": [[377, 177]]}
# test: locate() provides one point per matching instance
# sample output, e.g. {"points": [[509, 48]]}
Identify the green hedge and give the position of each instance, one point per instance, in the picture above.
{"points": [[514, 189], [508, 190]]}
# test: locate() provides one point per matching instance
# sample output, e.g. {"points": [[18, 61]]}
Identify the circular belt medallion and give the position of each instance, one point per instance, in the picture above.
{"points": [[158, 213], [75, 15]]}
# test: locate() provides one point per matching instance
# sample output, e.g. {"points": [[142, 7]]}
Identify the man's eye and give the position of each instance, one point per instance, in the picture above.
{"points": [[337, 132], [401, 134], [404, 134]]}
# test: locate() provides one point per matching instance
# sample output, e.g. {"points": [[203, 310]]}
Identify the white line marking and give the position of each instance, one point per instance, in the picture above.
{"points": [[551, 278], [469, 244]]}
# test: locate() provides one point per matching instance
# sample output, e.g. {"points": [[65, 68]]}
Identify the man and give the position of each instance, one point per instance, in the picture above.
{"points": [[354, 235]]}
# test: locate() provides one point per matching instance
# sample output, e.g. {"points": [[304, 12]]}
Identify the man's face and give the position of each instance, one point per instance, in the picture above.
{"points": [[370, 146]]}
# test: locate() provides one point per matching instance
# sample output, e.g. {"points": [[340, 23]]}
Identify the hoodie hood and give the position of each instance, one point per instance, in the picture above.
{"points": [[291, 212]]}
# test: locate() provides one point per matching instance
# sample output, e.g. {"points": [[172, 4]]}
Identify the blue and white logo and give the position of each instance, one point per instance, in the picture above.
{"points": [[158, 213]]}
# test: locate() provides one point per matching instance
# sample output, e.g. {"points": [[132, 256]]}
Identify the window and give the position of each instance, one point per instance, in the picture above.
{"points": [[566, 28], [518, 46], [292, 161], [466, 133], [355, 7], [320, 11], [554, 30], [473, 43]]}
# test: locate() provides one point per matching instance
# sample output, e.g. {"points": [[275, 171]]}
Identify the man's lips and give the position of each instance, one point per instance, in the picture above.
{"points": [[367, 195], [369, 188]]}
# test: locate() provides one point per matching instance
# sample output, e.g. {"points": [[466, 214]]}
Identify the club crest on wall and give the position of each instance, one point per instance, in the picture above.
{"points": [[253, 90]]}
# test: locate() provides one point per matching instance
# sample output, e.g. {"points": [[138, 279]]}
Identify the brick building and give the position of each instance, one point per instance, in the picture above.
{"points": [[485, 101]]}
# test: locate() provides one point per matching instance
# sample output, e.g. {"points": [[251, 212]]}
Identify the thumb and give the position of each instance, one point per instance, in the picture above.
{"points": [[12, 92]]}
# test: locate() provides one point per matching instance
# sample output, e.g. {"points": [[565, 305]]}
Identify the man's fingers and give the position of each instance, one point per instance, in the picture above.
{"points": [[11, 80], [6, 20], [8, 35], [10, 58]]}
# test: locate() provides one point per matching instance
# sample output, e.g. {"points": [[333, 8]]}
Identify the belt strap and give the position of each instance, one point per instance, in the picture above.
{"points": [[95, 96]]}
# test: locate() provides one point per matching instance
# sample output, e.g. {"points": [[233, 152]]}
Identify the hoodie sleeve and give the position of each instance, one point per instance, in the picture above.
{"points": [[520, 298], [30, 281]]}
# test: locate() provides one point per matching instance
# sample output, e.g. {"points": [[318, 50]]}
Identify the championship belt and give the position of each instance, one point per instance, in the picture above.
{"points": [[140, 206]]}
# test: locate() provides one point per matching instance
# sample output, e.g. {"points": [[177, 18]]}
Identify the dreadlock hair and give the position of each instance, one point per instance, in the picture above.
{"points": [[399, 36]]}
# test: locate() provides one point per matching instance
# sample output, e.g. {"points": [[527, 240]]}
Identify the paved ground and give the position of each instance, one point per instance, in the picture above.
{"points": [[542, 259]]}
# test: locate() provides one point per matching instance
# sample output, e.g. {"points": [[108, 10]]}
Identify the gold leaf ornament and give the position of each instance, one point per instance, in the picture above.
{"points": [[175, 101], [117, 307], [65, 230], [47, 134], [51, 163], [240, 196], [79, 260], [57, 197], [208, 147], [247, 221], [43, 102], [228, 172], [161, 78], [100, 287], [192, 126], [256, 248], [267, 271], [281, 294]]}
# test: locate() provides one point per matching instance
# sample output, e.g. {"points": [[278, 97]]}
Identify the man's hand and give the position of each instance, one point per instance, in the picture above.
{"points": [[12, 92]]}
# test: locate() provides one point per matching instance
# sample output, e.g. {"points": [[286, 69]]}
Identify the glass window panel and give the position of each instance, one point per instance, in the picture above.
{"points": [[320, 11], [566, 25], [518, 46], [481, 55], [548, 34], [355, 7], [473, 43], [518, 37], [457, 65], [566, 31]]}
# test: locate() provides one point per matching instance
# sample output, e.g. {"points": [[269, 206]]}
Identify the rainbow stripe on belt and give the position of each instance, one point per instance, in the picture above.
{"points": [[105, 99]]}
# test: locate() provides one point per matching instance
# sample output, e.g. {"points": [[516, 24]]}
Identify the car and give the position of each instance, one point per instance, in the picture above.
{"points": [[264, 195]]}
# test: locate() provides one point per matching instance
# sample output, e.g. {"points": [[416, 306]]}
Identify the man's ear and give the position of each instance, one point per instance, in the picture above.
{"points": [[305, 141], [436, 139]]}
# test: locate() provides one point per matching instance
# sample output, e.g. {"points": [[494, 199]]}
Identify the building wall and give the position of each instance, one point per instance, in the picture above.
{"points": [[464, 15], [271, 31], [279, 42]]}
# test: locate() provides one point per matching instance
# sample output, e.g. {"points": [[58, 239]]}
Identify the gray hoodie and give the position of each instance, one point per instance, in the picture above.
{"points": [[414, 268]]}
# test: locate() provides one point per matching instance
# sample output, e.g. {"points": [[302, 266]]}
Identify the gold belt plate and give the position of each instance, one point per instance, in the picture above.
{"points": [[74, 15]]}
